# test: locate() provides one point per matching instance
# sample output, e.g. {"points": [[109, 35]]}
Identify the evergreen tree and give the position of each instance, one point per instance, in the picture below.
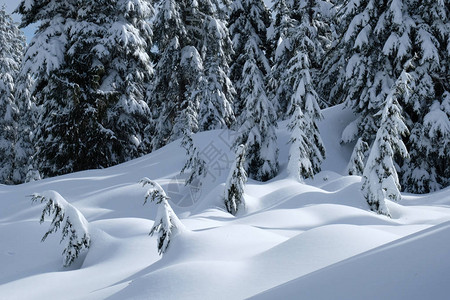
{"points": [[248, 24], [257, 132], [25, 169], [427, 168], [380, 179], [179, 66], [194, 51], [217, 90], [357, 161], [75, 227], [195, 166], [374, 48], [304, 98], [304, 24], [12, 43], [427, 109], [299, 164], [380, 40], [167, 224], [96, 85], [304, 157], [234, 187], [284, 24], [44, 57]]}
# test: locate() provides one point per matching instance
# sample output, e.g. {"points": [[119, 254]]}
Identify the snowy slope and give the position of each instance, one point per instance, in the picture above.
{"points": [[291, 237], [408, 268]]}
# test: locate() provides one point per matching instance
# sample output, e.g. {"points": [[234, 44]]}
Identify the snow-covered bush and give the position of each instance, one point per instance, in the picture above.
{"points": [[166, 223], [74, 225], [234, 188]]}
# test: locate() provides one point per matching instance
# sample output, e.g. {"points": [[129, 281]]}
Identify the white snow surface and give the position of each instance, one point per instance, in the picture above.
{"points": [[311, 240]]}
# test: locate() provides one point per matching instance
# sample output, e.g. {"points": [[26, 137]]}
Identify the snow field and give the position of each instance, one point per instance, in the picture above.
{"points": [[312, 240]]}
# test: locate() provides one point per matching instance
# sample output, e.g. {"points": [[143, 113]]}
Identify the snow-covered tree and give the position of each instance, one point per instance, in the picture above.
{"points": [[94, 65], [378, 40], [373, 50], [248, 24], [257, 121], [195, 166], [303, 108], [217, 91], [257, 132], [74, 226], [194, 48], [427, 110], [167, 225], [24, 159], [380, 179], [427, 168], [281, 49], [45, 53], [12, 42], [234, 187], [298, 26], [44, 56], [307, 150], [305, 155], [179, 66], [357, 160]]}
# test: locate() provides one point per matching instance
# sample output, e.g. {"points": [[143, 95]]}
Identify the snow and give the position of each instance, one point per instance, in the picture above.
{"points": [[392, 275], [313, 240]]}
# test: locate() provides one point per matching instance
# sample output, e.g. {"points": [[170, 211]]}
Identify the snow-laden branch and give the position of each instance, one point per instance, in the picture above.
{"points": [[234, 188], [74, 225], [166, 223]]}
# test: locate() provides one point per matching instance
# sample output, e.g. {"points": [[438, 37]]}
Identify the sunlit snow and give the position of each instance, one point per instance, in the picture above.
{"points": [[311, 240]]}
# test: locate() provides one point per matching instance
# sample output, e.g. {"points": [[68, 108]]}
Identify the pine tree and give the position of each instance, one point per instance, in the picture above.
{"points": [[357, 161], [375, 46], [304, 24], [331, 77], [178, 66], [427, 109], [12, 43], [427, 169], [284, 24], [234, 187], [380, 179], [195, 166], [167, 225], [379, 41], [303, 108], [304, 157], [75, 227], [24, 156], [194, 51], [217, 90], [96, 85], [257, 132], [248, 24], [44, 57]]}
